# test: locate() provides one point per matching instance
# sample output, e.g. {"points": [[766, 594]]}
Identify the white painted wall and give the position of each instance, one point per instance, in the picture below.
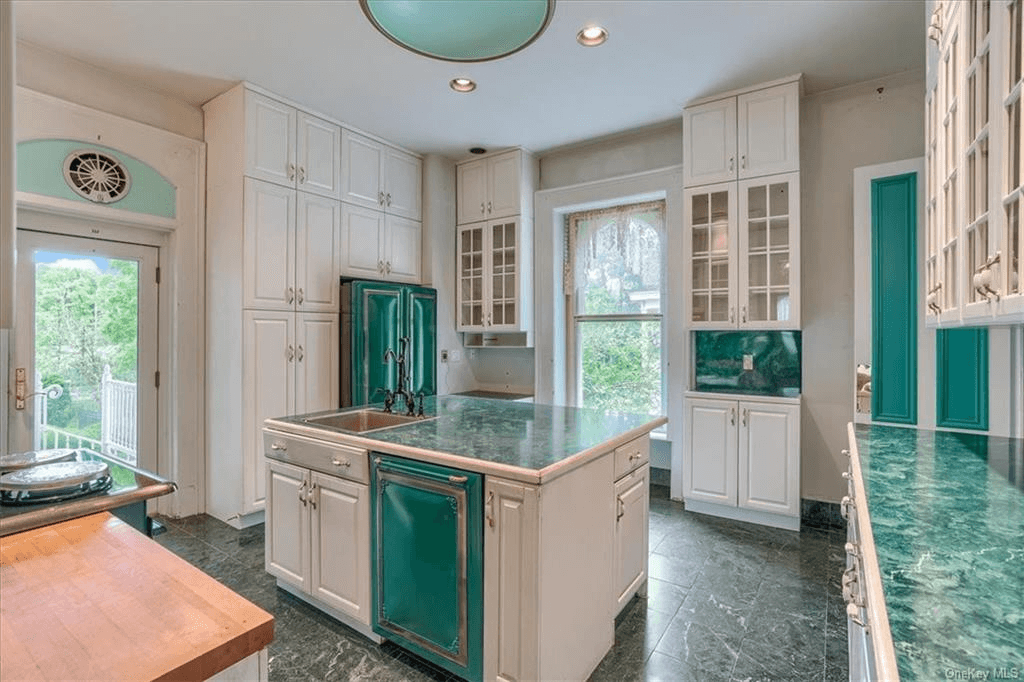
{"points": [[840, 130], [56, 74], [439, 268]]}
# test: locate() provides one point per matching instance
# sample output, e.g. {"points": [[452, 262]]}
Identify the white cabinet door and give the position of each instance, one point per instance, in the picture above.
{"points": [[769, 130], [340, 544], [502, 274], [319, 161], [711, 450], [316, 362], [269, 139], [510, 581], [268, 246], [402, 249], [709, 142], [268, 388], [769, 252], [362, 170], [709, 218], [286, 553], [403, 187], [503, 173], [631, 513], [470, 285], [769, 457], [362, 242], [317, 257], [471, 190]]}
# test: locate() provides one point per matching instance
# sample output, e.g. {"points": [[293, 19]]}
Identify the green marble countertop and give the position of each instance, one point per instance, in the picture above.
{"points": [[947, 517], [488, 434]]}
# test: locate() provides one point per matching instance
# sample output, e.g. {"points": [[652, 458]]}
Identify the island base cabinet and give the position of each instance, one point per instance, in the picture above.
{"points": [[318, 539], [632, 501], [548, 551]]}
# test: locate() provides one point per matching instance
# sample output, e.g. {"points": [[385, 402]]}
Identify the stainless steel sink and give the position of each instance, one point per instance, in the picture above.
{"points": [[363, 421]]}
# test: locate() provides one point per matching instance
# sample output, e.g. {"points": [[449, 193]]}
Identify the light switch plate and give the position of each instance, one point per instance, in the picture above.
{"points": [[748, 362], [456, 356]]}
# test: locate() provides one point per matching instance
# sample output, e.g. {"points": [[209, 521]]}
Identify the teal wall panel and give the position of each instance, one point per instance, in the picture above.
{"points": [[961, 375], [41, 171], [894, 299]]}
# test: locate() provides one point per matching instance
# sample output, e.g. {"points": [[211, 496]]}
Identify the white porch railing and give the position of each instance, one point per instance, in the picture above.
{"points": [[118, 421]]}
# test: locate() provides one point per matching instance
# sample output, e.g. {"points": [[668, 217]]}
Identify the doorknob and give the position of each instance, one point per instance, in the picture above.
{"points": [[21, 387]]}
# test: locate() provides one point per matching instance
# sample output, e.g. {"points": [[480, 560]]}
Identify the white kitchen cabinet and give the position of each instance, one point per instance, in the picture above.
{"points": [[290, 364], [769, 252], [632, 502], [381, 177], [291, 249], [742, 459], [376, 245], [318, 537], [743, 253], [974, 239], [289, 147], [495, 186], [743, 135], [494, 287]]}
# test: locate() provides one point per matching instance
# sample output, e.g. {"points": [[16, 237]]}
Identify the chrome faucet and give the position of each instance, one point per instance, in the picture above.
{"points": [[404, 389]]}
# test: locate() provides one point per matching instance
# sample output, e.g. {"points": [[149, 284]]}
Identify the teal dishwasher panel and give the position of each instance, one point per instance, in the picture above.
{"points": [[428, 561]]}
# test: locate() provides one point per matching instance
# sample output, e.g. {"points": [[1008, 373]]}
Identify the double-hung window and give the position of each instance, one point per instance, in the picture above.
{"points": [[614, 278]]}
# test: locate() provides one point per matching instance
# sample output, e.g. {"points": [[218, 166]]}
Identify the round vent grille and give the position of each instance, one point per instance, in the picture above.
{"points": [[96, 176]]}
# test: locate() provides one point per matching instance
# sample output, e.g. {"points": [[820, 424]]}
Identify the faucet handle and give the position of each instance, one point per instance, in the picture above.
{"points": [[389, 398], [419, 410]]}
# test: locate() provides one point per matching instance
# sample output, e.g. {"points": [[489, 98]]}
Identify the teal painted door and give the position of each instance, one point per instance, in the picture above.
{"points": [[376, 312], [428, 561], [421, 317], [894, 299], [961, 374]]}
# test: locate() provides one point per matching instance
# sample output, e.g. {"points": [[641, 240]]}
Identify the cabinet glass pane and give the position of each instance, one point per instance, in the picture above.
{"points": [[699, 214], [757, 231], [780, 305], [1014, 247], [758, 276], [700, 307], [1013, 145], [719, 206], [510, 312], [720, 237], [700, 240], [720, 307], [720, 273], [780, 233], [779, 194], [758, 311], [757, 205], [779, 271], [701, 274], [1014, 43]]}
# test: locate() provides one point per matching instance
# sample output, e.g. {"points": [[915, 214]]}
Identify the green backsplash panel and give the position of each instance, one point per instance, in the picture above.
{"points": [[961, 374], [894, 299], [718, 362], [41, 171]]}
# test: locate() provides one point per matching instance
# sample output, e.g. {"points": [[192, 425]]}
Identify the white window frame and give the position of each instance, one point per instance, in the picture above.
{"points": [[574, 359]]}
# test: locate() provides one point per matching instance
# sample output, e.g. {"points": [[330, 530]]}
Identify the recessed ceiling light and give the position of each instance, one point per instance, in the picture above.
{"points": [[591, 36], [477, 150], [462, 85]]}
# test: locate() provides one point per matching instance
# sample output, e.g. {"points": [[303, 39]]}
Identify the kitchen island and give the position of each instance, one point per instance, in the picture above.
{"points": [[938, 523], [563, 519]]}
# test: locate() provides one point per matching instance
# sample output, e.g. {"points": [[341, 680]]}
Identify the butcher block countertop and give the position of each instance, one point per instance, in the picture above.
{"points": [[91, 598]]}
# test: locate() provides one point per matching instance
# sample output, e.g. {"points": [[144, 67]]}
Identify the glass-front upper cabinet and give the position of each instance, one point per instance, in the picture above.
{"points": [[949, 237], [769, 247], [711, 237], [471, 276], [1011, 188]]}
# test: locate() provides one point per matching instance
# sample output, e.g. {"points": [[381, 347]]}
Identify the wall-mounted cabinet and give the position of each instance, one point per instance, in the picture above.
{"points": [[974, 191], [494, 187], [289, 147], [741, 136], [743, 253], [743, 459], [376, 245], [381, 177]]}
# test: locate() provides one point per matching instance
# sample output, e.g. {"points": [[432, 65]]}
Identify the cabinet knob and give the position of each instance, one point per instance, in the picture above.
{"points": [[732, 416], [278, 445], [730, 163], [635, 455], [291, 172], [389, 198], [482, 211], [853, 612], [338, 462], [380, 267], [302, 175], [302, 493], [743, 161], [732, 314], [291, 353], [380, 198], [621, 508], [289, 294], [490, 509], [743, 314], [746, 415], [489, 207], [300, 296], [311, 496], [387, 268], [300, 353]]}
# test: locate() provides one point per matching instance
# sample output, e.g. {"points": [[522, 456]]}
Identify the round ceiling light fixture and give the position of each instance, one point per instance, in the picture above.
{"points": [[592, 36], [477, 150], [462, 85], [460, 31]]}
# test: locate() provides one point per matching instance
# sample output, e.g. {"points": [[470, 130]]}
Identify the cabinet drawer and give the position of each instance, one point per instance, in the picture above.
{"points": [[631, 455], [330, 458]]}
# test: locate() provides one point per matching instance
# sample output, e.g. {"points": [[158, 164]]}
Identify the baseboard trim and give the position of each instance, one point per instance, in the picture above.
{"points": [[362, 628], [741, 514]]}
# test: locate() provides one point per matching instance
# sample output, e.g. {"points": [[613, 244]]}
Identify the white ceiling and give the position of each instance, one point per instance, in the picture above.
{"points": [[660, 55]]}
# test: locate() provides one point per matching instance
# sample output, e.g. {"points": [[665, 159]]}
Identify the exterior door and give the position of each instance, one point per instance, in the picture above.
{"points": [[85, 347], [376, 311], [711, 465]]}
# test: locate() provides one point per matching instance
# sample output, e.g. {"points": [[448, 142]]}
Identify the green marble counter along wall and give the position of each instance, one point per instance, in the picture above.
{"points": [[718, 362]]}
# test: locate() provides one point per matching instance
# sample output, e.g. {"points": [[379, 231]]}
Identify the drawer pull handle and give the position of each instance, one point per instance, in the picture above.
{"points": [[338, 462], [490, 509], [845, 505], [312, 495], [279, 446], [853, 613], [851, 549], [635, 455], [302, 495], [458, 479], [847, 475], [846, 452], [621, 508], [732, 416]]}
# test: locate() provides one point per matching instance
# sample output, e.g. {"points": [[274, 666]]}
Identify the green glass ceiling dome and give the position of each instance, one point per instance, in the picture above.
{"points": [[460, 30]]}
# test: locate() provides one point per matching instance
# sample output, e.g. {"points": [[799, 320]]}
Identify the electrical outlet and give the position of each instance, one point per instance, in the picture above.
{"points": [[748, 362], [444, 356]]}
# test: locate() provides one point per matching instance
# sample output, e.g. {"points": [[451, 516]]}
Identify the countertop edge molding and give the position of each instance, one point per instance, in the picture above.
{"points": [[880, 633]]}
